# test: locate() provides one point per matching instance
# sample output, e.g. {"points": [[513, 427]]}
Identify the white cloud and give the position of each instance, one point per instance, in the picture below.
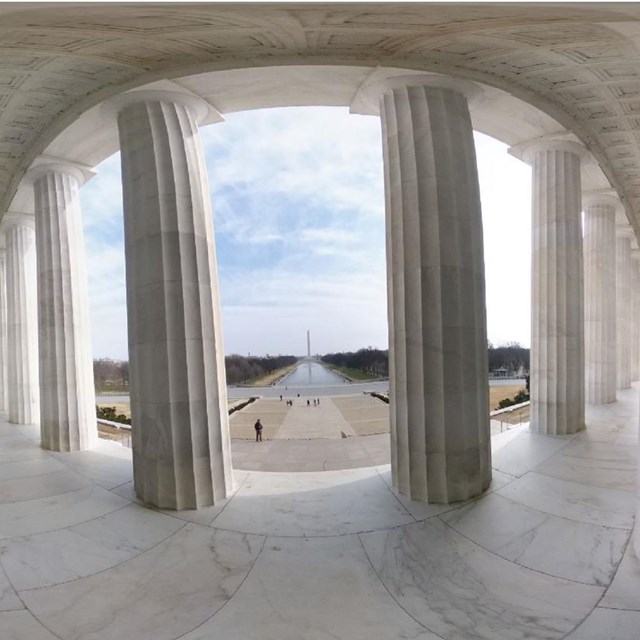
{"points": [[299, 215], [101, 201]]}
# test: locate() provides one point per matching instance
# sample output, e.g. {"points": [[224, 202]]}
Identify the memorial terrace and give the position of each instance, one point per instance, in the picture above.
{"points": [[529, 534]]}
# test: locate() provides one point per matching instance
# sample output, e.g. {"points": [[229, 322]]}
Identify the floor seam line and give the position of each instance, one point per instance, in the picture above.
{"points": [[384, 586], [522, 566], [215, 613], [115, 566]]}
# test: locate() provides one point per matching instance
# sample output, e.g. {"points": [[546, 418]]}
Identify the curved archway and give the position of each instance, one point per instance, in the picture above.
{"points": [[91, 137]]}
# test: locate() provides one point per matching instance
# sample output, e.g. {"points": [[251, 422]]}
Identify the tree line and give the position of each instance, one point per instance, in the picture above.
{"points": [[511, 356], [370, 361], [375, 362], [241, 369], [111, 374]]}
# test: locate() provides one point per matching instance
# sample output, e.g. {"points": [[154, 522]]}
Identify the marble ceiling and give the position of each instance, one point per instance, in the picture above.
{"points": [[579, 63]]}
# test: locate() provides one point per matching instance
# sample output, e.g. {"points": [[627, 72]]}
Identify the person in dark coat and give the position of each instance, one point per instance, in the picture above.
{"points": [[258, 427]]}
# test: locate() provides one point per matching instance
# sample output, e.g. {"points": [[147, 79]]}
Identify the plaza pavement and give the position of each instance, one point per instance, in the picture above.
{"points": [[344, 432]]}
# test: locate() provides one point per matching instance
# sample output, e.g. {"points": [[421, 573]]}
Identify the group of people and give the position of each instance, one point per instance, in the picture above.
{"points": [[316, 402], [258, 425]]}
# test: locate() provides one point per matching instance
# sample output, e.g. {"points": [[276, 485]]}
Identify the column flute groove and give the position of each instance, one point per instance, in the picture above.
{"points": [[557, 310], [4, 399], [22, 330], [67, 408], [635, 312], [623, 306], [181, 445], [600, 298], [438, 343]]}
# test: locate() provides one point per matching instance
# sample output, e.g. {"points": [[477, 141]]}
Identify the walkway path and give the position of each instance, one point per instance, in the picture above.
{"points": [[332, 418]]}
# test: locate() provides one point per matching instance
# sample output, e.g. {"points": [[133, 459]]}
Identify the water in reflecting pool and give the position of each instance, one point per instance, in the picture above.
{"points": [[308, 374]]}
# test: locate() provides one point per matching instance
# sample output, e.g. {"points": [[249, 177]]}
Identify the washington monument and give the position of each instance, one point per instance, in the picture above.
{"points": [[308, 344]]}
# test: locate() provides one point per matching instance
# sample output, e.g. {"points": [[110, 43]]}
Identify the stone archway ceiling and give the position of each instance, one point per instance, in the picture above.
{"points": [[580, 63]]}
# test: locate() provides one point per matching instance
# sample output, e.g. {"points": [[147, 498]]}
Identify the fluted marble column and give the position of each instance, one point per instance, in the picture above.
{"points": [[181, 446], [440, 438], [636, 532], [600, 298], [4, 399], [635, 314], [22, 324], [67, 393], [623, 306], [557, 305]]}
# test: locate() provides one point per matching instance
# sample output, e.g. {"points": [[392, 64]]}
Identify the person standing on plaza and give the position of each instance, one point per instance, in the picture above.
{"points": [[258, 427]]}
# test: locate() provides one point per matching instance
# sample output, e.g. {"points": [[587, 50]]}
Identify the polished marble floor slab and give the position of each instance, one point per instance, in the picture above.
{"points": [[323, 555], [293, 504], [549, 544], [158, 595], [458, 590], [608, 624], [287, 597], [21, 625], [86, 548], [573, 500]]}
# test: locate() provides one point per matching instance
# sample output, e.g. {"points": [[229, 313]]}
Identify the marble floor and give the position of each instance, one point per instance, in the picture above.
{"points": [[326, 554]]}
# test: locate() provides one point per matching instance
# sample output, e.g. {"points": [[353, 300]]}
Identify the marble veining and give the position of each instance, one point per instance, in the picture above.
{"points": [[86, 548], [158, 595], [567, 549], [460, 591], [573, 500], [285, 597]]}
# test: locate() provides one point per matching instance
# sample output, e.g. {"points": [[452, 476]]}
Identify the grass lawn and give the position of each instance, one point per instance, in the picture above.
{"points": [[352, 374], [500, 393]]}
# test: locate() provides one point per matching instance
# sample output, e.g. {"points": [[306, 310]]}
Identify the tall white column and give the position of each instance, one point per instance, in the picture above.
{"points": [[4, 399], [557, 307], [440, 438], [67, 393], [636, 531], [623, 306], [181, 446], [600, 297], [635, 313], [22, 323]]}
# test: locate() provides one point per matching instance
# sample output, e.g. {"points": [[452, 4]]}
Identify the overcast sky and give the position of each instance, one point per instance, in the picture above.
{"points": [[298, 206]]}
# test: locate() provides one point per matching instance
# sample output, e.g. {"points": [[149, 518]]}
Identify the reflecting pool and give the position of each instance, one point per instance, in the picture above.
{"points": [[309, 374]]}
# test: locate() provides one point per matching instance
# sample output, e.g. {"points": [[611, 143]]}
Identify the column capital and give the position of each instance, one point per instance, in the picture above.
{"points": [[635, 254], [601, 199], [111, 108], [367, 98], [526, 151], [624, 231], [45, 164], [14, 219]]}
